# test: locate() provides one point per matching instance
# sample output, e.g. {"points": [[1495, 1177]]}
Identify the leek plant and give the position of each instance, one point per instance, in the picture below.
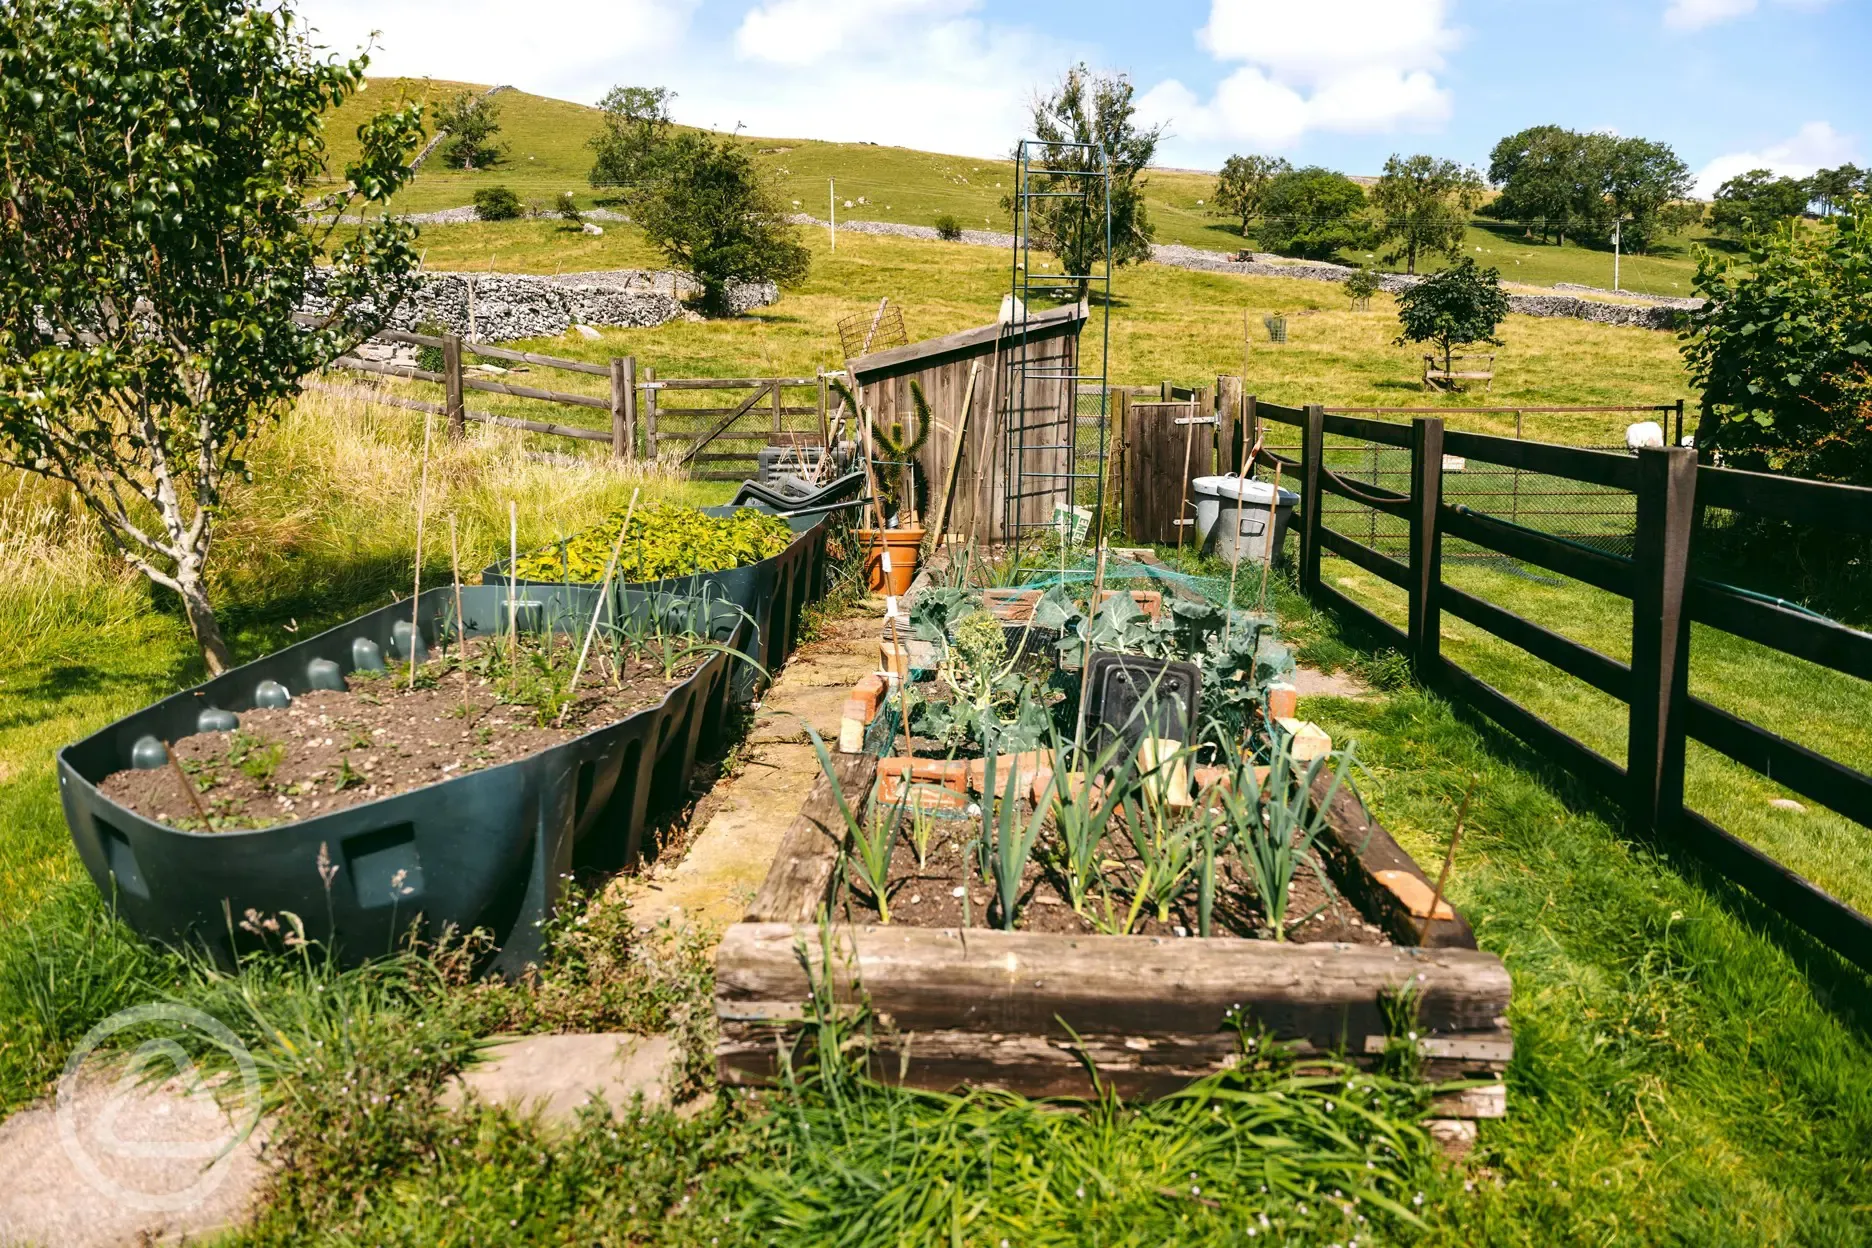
{"points": [[1006, 843], [1080, 819], [1275, 827], [868, 843]]}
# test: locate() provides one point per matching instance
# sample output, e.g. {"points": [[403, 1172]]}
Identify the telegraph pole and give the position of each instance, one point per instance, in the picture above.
{"points": [[832, 205]]}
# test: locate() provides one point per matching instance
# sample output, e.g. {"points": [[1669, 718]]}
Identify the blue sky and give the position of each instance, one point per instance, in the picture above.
{"points": [[1731, 84]]}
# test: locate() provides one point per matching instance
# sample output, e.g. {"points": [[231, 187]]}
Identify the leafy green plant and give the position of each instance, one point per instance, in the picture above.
{"points": [[1007, 844], [1461, 305], [471, 119], [1360, 285], [497, 203], [664, 541], [1274, 826], [567, 208], [948, 228]]}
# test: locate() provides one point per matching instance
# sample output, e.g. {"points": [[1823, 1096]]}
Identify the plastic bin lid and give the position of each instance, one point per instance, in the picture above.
{"points": [[1248, 491]]}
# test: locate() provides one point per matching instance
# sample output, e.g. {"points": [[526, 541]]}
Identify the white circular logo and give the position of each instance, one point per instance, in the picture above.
{"points": [[160, 1154]]}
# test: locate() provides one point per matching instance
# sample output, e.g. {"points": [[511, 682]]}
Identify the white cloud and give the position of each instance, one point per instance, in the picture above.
{"points": [[573, 49], [1354, 66], [1696, 14], [1817, 145], [805, 32]]}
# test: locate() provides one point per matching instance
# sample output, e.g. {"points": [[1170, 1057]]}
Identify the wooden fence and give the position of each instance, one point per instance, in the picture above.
{"points": [[1670, 491], [643, 419]]}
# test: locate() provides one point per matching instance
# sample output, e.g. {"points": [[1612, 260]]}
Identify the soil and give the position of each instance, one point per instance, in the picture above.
{"points": [[330, 750], [947, 891]]}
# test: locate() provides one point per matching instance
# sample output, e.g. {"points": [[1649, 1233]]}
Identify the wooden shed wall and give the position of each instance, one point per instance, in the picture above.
{"points": [[977, 510]]}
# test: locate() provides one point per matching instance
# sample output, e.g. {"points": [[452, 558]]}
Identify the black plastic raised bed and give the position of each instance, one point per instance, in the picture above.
{"points": [[491, 849], [774, 591]]}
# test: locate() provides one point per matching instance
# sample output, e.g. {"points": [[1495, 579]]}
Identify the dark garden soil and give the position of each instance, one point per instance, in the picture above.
{"points": [[947, 891], [330, 750]]}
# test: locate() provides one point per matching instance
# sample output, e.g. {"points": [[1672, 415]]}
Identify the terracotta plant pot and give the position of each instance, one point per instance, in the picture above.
{"points": [[906, 550]]}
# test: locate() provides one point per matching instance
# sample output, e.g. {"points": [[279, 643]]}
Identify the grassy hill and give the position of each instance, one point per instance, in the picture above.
{"points": [[549, 155]]}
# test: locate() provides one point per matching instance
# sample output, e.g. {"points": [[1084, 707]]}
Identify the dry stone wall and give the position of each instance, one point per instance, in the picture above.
{"points": [[499, 307]]}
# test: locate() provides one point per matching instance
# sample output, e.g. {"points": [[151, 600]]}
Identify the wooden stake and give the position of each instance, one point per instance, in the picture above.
{"points": [[1085, 669], [604, 591], [1449, 856], [513, 584], [1241, 477], [1189, 444], [461, 620], [422, 503], [955, 461], [188, 786]]}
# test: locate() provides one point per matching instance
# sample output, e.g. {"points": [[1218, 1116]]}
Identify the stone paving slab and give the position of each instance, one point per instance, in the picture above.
{"points": [[558, 1075]]}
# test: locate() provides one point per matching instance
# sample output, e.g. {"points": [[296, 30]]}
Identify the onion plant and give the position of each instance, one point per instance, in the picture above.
{"points": [[1007, 843], [868, 843], [1275, 826], [1081, 818]]}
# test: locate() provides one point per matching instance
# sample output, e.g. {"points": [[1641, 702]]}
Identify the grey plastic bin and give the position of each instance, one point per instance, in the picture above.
{"points": [[1232, 510]]}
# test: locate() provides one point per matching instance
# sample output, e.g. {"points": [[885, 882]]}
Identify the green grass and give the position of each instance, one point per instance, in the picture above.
{"points": [[549, 156]]}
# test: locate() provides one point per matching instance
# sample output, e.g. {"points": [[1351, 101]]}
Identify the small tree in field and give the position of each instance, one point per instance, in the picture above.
{"points": [[710, 211], [636, 127], [154, 159], [1242, 185], [1423, 205], [1360, 285], [1459, 306], [472, 120]]}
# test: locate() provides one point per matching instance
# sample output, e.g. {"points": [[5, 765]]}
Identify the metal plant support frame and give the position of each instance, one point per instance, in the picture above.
{"points": [[1041, 170]]}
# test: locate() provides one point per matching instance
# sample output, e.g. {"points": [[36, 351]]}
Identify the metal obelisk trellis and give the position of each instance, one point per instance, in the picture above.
{"points": [[1068, 187]]}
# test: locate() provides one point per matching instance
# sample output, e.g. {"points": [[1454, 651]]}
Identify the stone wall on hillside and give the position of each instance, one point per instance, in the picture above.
{"points": [[498, 307]]}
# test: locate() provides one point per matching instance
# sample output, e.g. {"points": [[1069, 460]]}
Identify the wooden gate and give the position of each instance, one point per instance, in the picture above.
{"points": [[1166, 446]]}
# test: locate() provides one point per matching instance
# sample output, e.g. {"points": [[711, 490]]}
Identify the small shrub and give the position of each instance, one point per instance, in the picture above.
{"points": [[429, 359], [496, 203], [1360, 285], [948, 228], [568, 209]]}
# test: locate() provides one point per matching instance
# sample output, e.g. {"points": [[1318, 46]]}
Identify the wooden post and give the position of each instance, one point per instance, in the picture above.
{"points": [[825, 429], [1660, 663], [624, 407], [1250, 428], [1118, 414], [779, 426], [1228, 423], [650, 414], [452, 386], [1426, 547], [1204, 405], [1312, 497]]}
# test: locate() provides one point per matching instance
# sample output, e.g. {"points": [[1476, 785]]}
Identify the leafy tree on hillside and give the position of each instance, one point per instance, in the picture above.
{"points": [[1243, 184], [154, 162], [710, 211], [1782, 351], [1423, 205], [1313, 213], [1833, 188], [1543, 178], [636, 127], [1758, 200], [472, 120], [1559, 181], [1461, 305], [1095, 109]]}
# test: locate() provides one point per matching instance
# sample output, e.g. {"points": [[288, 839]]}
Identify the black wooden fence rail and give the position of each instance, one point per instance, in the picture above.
{"points": [[1670, 490]]}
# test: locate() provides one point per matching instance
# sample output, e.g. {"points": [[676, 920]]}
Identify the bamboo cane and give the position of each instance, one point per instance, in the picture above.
{"points": [[422, 503], [604, 591]]}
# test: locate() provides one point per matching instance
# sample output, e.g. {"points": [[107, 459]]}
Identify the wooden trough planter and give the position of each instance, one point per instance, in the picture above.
{"points": [[989, 1008]]}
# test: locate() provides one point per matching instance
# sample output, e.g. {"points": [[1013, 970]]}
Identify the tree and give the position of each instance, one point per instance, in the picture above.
{"points": [[1646, 187], [497, 203], [1423, 205], [1095, 110], [154, 161], [1459, 306], [711, 213], [1835, 187], [1313, 213], [636, 127], [1360, 285], [1758, 200], [1243, 183], [471, 121], [1543, 176], [1782, 351]]}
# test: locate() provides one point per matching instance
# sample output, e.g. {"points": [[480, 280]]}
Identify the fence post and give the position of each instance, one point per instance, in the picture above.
{"points": [[650, 413], [779, 426], [1117, 462], [1312, 497], [825, 429], [1678, 440], [1228, 423], [1666, 517], [452, 385], [623, 407], [1250, 429], [1426, 548]]}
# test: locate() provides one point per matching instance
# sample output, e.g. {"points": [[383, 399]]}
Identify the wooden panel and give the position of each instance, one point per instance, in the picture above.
{"points": [[1382, 432], [1811, 775], [1278, 414], [982, 980], [1161, 462], [801, 875]]}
